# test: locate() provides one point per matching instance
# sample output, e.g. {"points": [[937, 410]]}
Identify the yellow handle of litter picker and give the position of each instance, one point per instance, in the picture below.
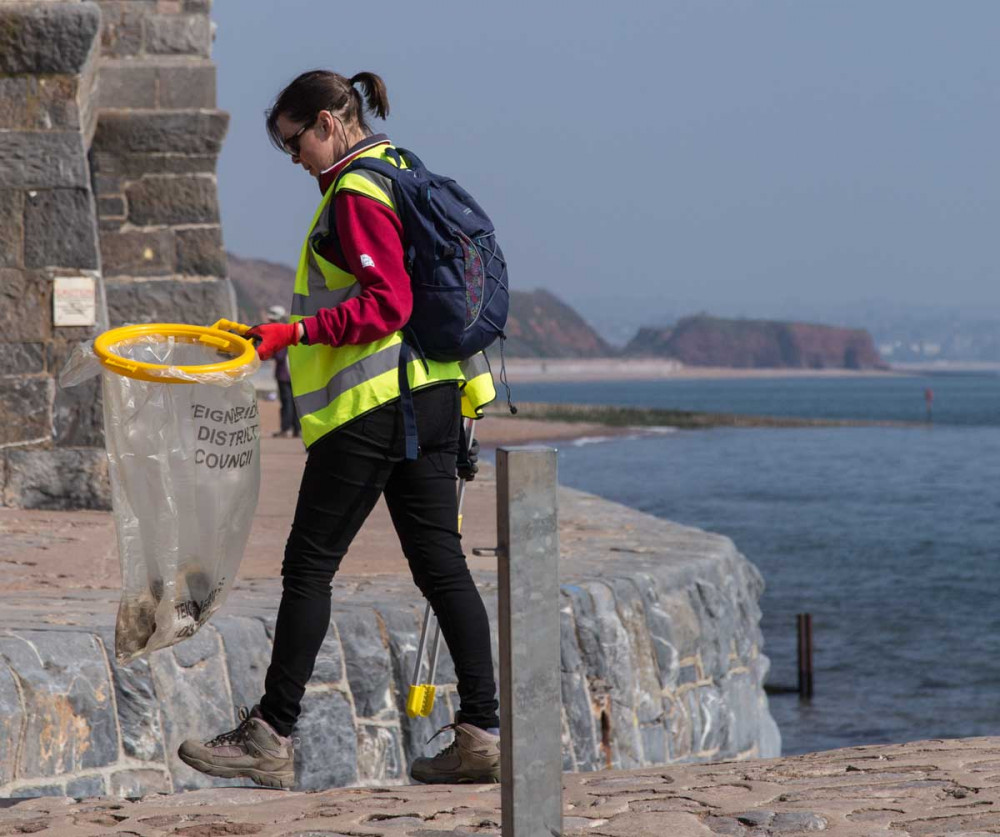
{"points": [[229, 325], [240, 349]]}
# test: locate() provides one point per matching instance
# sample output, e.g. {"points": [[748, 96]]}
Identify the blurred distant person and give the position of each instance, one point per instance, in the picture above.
{"points": [[289, 419]]}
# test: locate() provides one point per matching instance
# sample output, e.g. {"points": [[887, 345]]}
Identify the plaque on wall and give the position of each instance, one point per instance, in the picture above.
{"points": [[74, 301]]}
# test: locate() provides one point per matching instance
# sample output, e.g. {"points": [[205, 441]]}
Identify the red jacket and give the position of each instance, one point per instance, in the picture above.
{"points": [[371, 238]]}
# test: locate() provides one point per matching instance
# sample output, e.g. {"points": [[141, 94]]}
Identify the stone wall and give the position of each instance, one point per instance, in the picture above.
{"points": [[49, 57], [153, 161], [109, 137], [660, 657]]}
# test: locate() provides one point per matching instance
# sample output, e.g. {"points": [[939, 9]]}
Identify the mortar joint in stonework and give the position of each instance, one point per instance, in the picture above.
{"points": [[114, 694]]}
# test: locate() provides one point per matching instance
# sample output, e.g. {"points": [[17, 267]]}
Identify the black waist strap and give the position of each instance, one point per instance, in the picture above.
{"points": [[406, 402]]}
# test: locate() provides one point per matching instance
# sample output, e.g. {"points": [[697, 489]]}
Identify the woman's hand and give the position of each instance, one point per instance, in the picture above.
{"points": [[274, 336]]}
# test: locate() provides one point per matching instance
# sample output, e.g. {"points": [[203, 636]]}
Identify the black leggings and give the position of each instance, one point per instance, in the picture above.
{"points": [[345, 474]]}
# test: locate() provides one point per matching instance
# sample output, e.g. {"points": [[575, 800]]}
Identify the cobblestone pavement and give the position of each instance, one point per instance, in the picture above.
{"points": [[922, 788]]}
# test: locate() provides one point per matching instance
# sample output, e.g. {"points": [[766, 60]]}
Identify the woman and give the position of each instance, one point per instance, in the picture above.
{"points": [[352, 298]]}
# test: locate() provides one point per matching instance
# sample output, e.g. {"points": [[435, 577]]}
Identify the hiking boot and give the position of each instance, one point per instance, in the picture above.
{"points": [[474, 756], [253, 750]]}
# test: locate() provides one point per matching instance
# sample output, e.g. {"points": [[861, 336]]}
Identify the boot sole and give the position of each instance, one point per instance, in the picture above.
{"points": [[487, 779], [277, 781]]}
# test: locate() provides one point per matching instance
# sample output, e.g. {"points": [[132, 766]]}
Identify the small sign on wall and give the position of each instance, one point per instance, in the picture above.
{"points": [[74, 301]]}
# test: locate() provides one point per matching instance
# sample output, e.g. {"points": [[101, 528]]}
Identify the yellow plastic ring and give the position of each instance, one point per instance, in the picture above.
{"points": [[243, 351]]}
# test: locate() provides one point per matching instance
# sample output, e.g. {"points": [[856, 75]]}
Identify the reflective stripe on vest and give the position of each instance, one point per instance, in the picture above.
{"points": [[332, 385]]}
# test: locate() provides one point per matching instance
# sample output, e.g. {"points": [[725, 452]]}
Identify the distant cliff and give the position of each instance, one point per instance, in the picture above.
{"points": [[259, 285], [540, 325], [758, 344]]}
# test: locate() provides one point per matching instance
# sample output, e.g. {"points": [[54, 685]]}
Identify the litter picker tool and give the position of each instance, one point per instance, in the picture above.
{"points": [[420, 700]]}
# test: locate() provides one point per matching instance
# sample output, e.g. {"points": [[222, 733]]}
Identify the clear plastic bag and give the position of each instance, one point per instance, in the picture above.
{"points": [[185, 474]]}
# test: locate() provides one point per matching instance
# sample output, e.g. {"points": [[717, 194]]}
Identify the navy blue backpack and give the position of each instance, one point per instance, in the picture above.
{"points": [[457, 270]]}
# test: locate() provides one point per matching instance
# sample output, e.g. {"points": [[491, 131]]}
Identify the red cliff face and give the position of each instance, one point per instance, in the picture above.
{"points": [[541, 325], [759, 344]]}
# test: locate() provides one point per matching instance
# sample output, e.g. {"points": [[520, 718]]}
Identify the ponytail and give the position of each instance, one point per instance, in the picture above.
{"points": [[375, 94]]}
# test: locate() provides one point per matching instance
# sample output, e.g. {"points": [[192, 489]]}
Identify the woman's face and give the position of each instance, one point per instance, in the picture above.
{"points": [[315, 146]]}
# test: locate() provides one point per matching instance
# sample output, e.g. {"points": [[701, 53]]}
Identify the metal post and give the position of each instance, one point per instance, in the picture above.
{"points": [[804, 621], [530, 696]]}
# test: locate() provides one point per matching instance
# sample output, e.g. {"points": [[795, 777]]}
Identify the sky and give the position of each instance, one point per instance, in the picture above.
{"points": [[646, 159]]}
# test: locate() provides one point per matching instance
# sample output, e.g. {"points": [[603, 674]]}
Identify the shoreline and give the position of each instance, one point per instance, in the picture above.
{"points": [[615, 420], [534, 370]]}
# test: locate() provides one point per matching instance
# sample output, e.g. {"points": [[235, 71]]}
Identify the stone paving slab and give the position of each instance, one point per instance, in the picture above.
{"points": [[918, 789]]}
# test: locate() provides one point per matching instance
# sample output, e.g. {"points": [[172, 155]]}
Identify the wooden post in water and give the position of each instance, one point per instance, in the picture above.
{"points": [[805, 626]]}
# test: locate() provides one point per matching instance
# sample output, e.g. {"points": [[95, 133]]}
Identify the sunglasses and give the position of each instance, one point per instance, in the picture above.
{"points": [[291, 144]]}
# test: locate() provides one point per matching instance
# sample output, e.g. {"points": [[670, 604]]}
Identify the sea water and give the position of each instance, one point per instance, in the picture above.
{"points": [[888, 536]]}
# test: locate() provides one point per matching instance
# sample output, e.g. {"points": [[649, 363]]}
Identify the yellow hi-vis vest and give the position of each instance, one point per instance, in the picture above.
{"points": [[332, 385]]}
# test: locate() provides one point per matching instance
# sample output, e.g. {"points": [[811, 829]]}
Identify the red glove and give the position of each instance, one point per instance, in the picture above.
{"points": [[273, 336]]}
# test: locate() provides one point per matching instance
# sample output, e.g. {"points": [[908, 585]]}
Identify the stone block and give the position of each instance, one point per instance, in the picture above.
{"points": [[617, 668], [739, 698], [25, 409], [178, 35], [169, 200], [32, 791], [30, 103], [132, 784], [12, 720], [42, 160], [175, 131], [198, 6], [133, 166], [111, 206], [84, 787], [47, 37], [58, 479], [329, 667], [646, 698], [187, 85], [717, 626], [22, 358], [200, 252], [328, 755], [192, 689], [138, 253], [248, 653], [576, 699], [69, 709], [59, 229], [138, 708], [366, 659], [380, 755], [660, 627], [121, 33], [170, 301], [655, 743], [106, 183], [204, 645], [11, 227], [127, 84]]}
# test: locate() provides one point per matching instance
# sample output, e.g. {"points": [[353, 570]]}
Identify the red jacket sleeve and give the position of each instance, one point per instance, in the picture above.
{"points": [[371, 238]]}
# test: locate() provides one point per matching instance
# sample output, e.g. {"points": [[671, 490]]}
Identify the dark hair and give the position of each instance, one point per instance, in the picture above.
{"points": [[319, 90]]}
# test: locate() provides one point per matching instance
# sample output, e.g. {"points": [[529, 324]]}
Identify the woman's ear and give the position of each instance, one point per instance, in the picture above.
{"points": [[325, 122]]}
